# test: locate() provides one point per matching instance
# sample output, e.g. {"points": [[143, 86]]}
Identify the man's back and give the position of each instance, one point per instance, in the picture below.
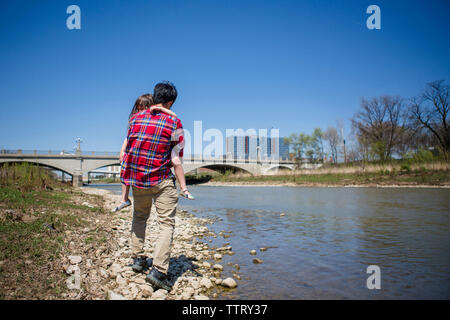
{"points": [[151, 137]]}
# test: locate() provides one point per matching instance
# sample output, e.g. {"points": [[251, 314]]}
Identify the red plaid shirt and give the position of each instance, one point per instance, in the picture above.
{"points": [[152, 139]]}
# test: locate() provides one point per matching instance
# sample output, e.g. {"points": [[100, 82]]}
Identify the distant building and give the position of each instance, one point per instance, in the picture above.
{"points": [[246, 148]]}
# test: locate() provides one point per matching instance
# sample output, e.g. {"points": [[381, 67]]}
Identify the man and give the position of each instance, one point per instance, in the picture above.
{"points": [[146, 165]]}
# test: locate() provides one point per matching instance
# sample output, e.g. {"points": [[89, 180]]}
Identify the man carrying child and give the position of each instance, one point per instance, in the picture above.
{"points": [[154, 141]]}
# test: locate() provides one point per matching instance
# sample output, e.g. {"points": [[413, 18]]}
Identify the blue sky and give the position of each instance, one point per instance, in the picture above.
{"points": [[292, 65]]}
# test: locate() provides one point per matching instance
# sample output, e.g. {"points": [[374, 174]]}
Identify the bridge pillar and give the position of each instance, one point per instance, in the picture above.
{"points": [[77, 180]]}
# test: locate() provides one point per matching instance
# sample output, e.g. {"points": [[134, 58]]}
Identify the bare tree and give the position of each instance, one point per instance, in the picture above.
{"points": [[431, 109], [332, 136], [380, 124]]}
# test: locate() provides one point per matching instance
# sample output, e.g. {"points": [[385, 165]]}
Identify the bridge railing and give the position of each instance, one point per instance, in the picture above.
{"points": [[37, 152], [57, 152], [186, 158]]}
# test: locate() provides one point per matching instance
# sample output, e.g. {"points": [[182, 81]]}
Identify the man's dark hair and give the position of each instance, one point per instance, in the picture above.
{"points": [[164, 92]]}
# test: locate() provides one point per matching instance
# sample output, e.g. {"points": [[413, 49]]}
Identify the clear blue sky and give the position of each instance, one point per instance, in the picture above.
{"points": [[293, 65]]}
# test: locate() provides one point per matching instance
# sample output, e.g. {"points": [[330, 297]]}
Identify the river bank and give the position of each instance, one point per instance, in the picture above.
{"points": [[60, 242], [347, 177]]}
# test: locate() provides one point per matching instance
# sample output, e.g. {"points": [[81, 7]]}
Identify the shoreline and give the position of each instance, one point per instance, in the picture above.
{"points": [[309, 185], [195, 267], [289, 184]]}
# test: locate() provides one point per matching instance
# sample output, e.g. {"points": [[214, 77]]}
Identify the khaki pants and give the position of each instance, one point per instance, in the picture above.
{"points": [[166, 200]]}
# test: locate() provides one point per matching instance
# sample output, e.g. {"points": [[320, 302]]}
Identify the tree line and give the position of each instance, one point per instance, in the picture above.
{"points": [[385, 127]]}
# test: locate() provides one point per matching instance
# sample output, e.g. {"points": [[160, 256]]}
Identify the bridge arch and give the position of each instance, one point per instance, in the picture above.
{"points": [[93, 165], [42, 163], [278, 167], [191, 167]]}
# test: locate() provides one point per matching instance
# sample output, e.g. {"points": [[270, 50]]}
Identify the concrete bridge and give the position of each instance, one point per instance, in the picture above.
{"points": [[80, 164]]}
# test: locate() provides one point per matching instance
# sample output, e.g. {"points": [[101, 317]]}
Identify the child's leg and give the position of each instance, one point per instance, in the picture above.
{"points": [[125, 192]]}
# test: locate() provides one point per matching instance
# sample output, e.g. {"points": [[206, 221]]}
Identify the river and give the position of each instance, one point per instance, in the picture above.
{"points": [[327, 238]]}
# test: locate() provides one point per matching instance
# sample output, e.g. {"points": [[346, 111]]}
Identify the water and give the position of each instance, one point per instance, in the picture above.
{"points": [[328, 237]]}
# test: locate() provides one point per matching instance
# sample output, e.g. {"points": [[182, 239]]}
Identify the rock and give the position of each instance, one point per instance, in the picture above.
{"points": [[237, 266], [121, 281], [160, 294], [139, 280], [257, 261], [217, 267], [282, 214], [75, 259], [115, 269], [86, 204], [115, 296], [134, 292], [147, 290], [205, 282], [229, 283], [201, 297], [103, 273], [206, 264], [218, 281], [195, 284], [253, 252], [263, 249], [217, 256], [187, 293], [28, 218]]}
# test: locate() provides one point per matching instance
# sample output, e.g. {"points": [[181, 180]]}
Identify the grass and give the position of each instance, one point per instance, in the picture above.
{"points": [[394, 173], [30, 250]]}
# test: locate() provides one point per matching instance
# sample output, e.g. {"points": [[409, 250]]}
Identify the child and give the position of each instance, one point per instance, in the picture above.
{"points": [[144, 102]]}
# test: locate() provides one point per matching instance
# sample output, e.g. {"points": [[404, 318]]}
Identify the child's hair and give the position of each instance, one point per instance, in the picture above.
{"points": [[142, 103]]}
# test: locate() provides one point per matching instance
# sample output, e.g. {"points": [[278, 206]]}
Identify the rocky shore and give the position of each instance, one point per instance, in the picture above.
{"points": [[105, 271]]}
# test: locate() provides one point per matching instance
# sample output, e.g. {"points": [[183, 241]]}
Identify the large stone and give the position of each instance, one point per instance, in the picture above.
{"points": [[205, 282], [160, 294], [147, 290], [139, 280], [195, 284], [217, 267], [201, 297], [115, 270], [229, 283], [187, 293], [75, 259], [121, 281], [115, 296]]}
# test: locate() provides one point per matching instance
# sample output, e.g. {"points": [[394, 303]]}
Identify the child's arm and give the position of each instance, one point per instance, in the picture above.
{"points": [[162, 109], [124, 145]]}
